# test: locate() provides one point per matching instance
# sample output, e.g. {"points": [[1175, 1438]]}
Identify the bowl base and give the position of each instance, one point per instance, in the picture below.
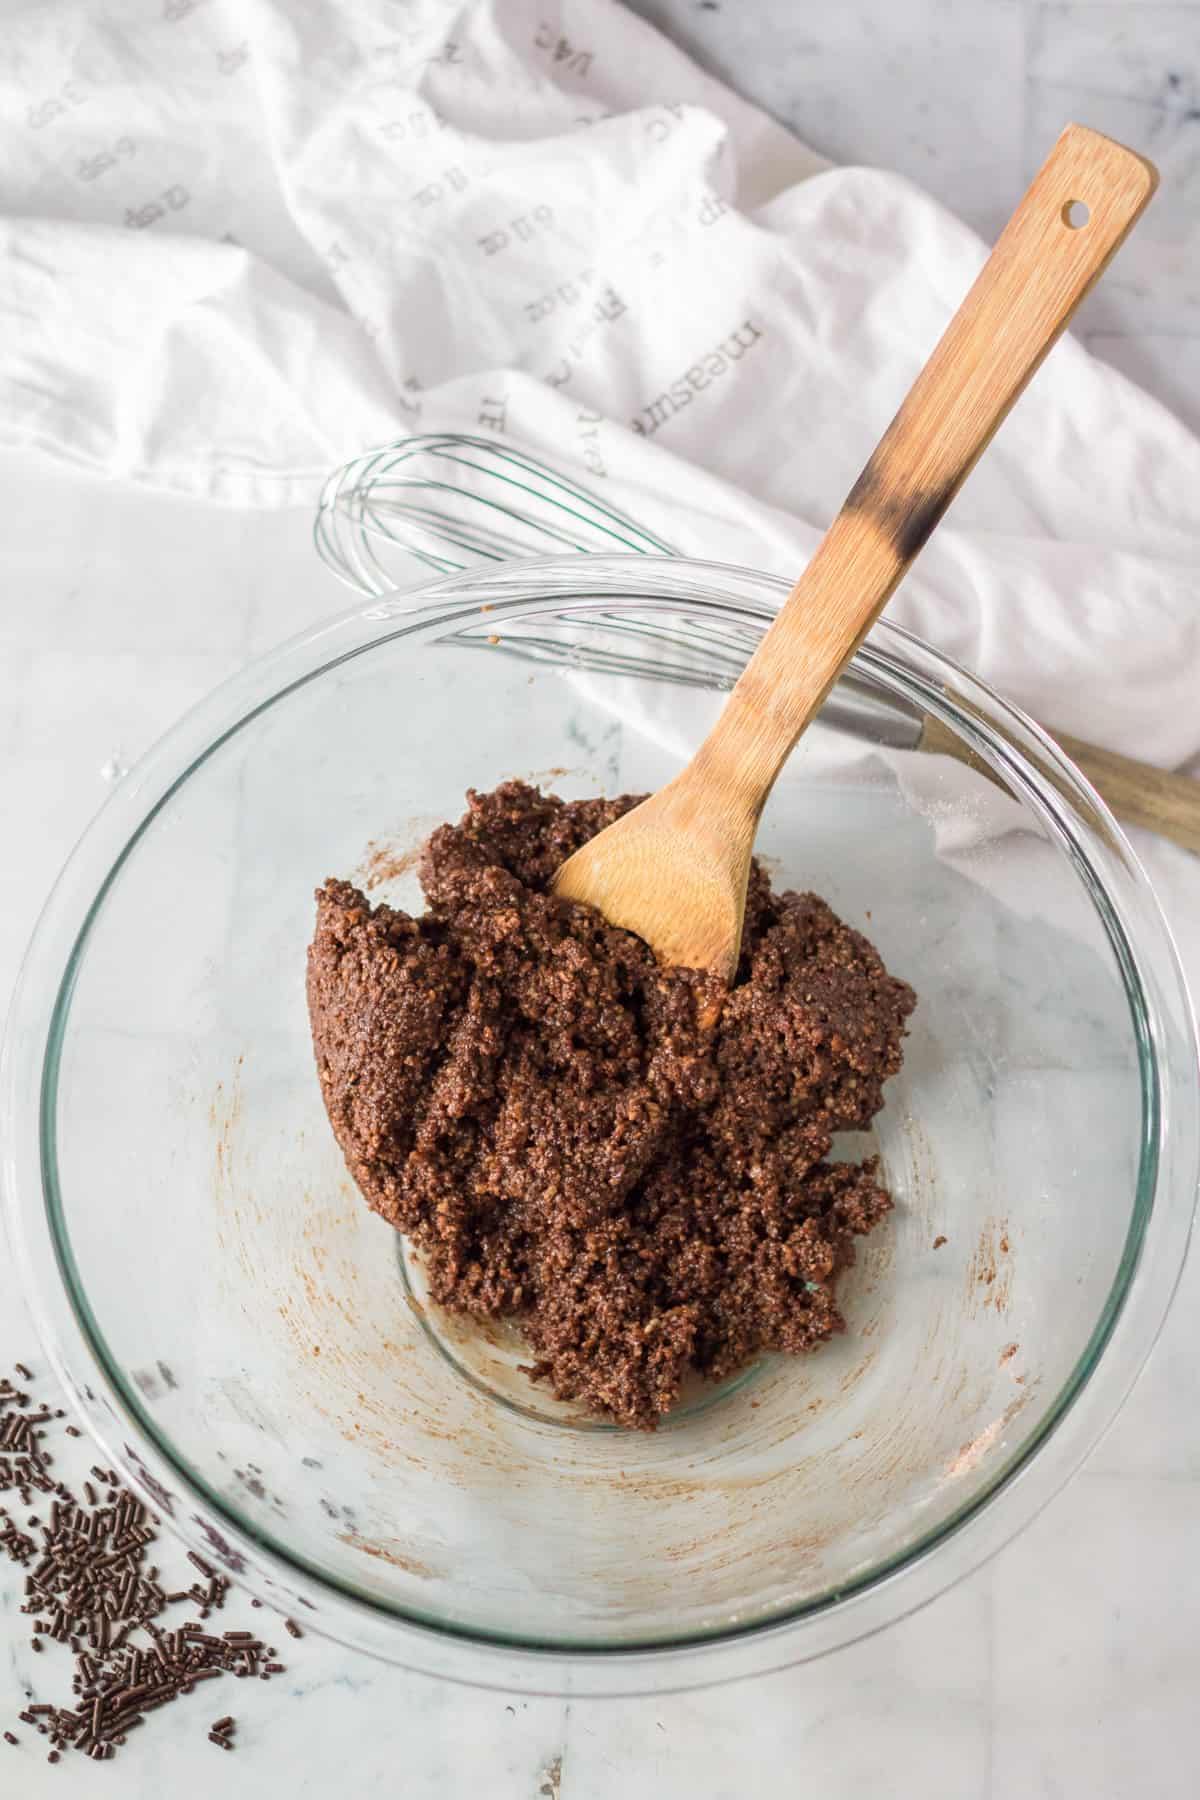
{"points": [[492, 1357]]}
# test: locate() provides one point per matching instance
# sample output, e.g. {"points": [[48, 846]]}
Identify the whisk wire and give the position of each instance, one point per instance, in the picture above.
{"points": [[449, 500]]}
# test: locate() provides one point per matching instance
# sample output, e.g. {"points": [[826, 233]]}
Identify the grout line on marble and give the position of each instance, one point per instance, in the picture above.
{"points": [[989, 1763], [552, 1777], [1023, 147], [1101, 93]]}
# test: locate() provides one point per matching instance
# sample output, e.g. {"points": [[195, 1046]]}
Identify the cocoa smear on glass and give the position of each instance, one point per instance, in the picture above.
{"points": [[625, 1159]]}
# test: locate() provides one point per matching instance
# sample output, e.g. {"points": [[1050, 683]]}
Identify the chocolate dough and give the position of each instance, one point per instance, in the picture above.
{"points": [[624, 1159]]}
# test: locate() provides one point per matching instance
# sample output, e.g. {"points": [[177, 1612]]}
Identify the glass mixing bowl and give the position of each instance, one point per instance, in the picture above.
{"points": [[251, 1345]]}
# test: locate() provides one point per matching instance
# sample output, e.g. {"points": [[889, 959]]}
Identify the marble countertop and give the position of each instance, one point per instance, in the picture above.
{"points": [[1068, 1666]]}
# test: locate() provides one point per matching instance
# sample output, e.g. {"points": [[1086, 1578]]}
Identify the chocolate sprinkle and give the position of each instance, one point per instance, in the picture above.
{"points": [[88, 1585]]}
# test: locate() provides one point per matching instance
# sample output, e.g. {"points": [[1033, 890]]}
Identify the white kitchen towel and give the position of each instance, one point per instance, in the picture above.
{"points": [[243, 240]]}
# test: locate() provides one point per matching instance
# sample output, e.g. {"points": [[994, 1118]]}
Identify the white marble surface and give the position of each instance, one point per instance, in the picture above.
{"points": [[1069, 1666]]}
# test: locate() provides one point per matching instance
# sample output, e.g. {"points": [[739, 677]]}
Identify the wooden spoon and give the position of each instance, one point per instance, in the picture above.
{"points": [[675, 869]]}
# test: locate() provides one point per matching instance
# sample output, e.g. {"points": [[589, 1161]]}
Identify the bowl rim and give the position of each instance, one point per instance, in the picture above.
{"points": [[1149, 1269]]}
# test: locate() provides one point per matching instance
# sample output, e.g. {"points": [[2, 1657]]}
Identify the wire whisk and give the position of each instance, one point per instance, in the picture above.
{"points": [[450, 501]]}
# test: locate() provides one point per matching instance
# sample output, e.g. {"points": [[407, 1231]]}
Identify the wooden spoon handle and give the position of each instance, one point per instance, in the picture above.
{"points": [[1049, 255]]}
